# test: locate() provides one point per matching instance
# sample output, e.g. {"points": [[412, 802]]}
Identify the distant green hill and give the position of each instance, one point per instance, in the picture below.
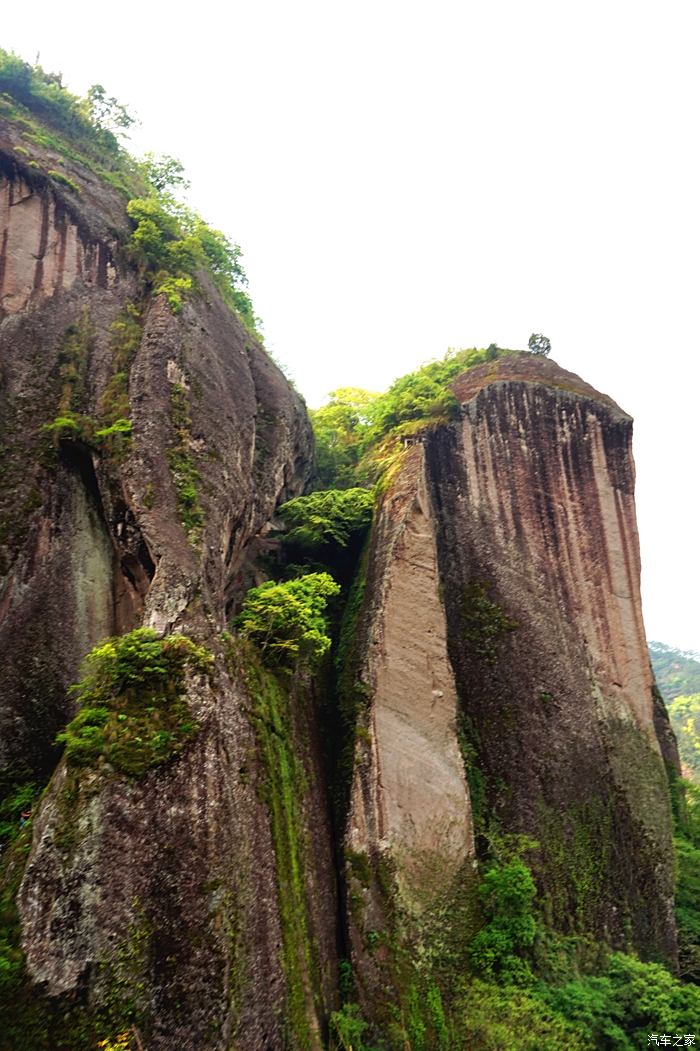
{"points": [[678, 677], [677, 671]]}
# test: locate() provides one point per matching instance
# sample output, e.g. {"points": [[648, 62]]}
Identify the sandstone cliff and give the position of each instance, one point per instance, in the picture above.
{"points": [[165, 891], [491, 677], [502, 620]]}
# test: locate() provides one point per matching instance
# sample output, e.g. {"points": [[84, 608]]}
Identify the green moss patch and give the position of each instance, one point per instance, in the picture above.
{"points": [[133, 713]]}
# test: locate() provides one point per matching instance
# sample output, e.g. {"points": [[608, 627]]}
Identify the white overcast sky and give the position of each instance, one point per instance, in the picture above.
{"points": [[403, 177]]}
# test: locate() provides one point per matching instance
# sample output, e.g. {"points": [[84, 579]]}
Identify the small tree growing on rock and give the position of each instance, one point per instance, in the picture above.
{"points": [[539, 344]]}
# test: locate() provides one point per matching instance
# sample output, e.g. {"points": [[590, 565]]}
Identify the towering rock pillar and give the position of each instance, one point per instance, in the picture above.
{"points": [[539, 555]]}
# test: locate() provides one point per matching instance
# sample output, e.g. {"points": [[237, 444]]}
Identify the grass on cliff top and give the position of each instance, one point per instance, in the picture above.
{"points": [[170, 242], [358, 432], [95, 122]]}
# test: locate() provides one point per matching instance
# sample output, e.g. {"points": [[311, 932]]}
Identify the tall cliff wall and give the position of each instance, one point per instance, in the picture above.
{"points": [[503, 615], [536, 497], [494, 678], [161, 891]]}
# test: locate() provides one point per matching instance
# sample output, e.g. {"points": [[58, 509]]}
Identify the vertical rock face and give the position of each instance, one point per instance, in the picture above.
{"points": [[498, 667], [502, 598], [540, 559], [42, 250], [409, 795], [163, 887]]}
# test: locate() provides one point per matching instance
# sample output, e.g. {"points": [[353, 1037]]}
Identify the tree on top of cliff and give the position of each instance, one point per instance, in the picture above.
{"points": [[95, 121], [539, 344]]}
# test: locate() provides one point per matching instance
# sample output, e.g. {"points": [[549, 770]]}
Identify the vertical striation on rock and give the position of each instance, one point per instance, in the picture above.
{"points": [[157, 897], [535, 498]]}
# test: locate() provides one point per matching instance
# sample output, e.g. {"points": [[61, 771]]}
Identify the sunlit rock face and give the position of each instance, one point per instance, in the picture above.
{"points": [[410, 796], [42, 250]]}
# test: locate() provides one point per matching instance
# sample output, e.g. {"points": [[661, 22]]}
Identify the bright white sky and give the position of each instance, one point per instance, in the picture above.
{"points": [[405, 177]]}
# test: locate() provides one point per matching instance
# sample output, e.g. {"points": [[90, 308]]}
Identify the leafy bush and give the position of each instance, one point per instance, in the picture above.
{"points": [[348, 1028], [330, 516], [507, 892], [631, 999], [684, 713], [20, 798], [339, 430], [63, 180], [425, 393], [494, 1017], [286, 620], [171, 242], [132, 710]]}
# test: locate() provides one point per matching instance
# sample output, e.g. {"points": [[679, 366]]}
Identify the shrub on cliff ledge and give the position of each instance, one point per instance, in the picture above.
{"points": [[286, 621], [133, 712], [332, 516]]}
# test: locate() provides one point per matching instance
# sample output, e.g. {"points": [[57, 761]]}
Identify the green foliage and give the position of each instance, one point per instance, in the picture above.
{"points": [[63, 180], [347, 1028], [18, 800], [357, 432], [114, 436], [425, 394], [539, 344], [170, 242], [286, 621], [69, 425], [687, 849], [495, 1017], [120, 427], [618, 1009], [95, 122], [684, 713], [329, 517], [507, 893], [484, 621], [340, 428], [106, 112], [676, 671], [284, 788], [132, 710]]}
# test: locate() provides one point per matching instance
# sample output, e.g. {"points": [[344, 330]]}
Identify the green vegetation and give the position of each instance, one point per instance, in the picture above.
{"points": [[340, 428], [507, 893], [539, 344], [170, 243], [133, 713], [284, 787], [63, 180], [684, 713], [18, 800], [358, 433], [286, 621], [332, 516], [95, 122], [687, 847], [676, 671], [522, 985]]}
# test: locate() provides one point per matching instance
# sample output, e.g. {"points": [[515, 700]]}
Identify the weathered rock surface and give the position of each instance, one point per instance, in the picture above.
{"points": [[498, 668], [535, 498], [409, 795], [162, 888]]}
